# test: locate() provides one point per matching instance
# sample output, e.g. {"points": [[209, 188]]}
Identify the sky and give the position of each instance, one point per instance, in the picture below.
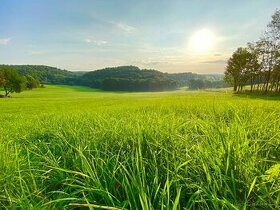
{"points": [[83, 35]]}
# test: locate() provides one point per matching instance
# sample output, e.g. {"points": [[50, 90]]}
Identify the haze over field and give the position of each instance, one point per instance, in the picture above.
{"points": [[172, 36]]}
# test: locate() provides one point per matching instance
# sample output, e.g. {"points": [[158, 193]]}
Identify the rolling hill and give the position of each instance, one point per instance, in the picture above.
{"points": [[125, 78]]}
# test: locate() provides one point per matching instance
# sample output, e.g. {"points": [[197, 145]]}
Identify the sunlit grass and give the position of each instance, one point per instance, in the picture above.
{"points": [[72, 147]]}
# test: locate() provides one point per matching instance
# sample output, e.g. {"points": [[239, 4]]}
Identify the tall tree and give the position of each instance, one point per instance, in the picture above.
{"points": [[273, 34], [254, 65], [255, 71], [273, 28], [270, 48], [276, 73], [240, 67]]}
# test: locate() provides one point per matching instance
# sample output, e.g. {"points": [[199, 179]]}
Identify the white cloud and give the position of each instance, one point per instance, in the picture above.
{"points": [[5, 41], [96, 42], [100, 42], [125, 27], [150, 62], [88, 40], [214, 61], [36, 53]]}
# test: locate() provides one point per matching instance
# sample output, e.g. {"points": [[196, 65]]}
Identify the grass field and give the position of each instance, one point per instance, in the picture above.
{"points": [[71, 147]]}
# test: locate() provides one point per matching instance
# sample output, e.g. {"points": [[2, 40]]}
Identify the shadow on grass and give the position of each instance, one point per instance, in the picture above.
{"points": [[80, 88], [259, 95], [89, 89]]}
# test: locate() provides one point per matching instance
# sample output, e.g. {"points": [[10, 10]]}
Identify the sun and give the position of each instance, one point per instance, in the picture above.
{"points": [[202, 41]]}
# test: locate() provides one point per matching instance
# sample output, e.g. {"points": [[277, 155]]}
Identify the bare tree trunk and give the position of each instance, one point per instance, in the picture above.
{"points": [[7, 91], [251, 84], [235, 87], [277, 88], [272, 85], [263, 86], [266, 86]]}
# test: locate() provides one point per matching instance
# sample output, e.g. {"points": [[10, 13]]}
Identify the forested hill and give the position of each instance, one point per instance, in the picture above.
{"points": [[45, 74], [127, 78]]}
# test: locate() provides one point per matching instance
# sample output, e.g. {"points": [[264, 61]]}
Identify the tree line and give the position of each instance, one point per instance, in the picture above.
{"points": [[131, 78], [12, 82], [258, 64], [122, 78], [206, 83], [45, 74]]}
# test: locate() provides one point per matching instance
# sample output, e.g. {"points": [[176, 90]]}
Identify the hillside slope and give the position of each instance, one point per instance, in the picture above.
{"points": [[129, 78], [125, 78], [45, 74]]}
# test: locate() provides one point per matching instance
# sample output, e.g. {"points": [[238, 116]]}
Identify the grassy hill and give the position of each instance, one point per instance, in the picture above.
{"points": [[63, 147]]}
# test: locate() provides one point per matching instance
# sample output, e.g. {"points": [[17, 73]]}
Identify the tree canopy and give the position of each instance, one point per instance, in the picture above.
{"points": [[31, 82], [129, 78], [126, 78], [241, 66], [12, 81], [258, 64], [45, 74]]}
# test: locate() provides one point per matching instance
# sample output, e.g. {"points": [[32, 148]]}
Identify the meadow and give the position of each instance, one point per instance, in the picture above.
{"points": [[65, 147]]}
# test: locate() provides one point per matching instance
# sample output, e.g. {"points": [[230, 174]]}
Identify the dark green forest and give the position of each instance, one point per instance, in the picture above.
{"points": [[122, 78], [129, 78], [45, 74]]}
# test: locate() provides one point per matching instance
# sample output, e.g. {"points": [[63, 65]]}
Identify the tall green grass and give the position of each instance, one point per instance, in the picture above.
{"points": [[70, 148]]}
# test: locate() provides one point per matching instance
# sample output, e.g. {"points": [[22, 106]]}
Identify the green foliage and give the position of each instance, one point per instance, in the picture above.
{"points": [[2, 79], [128, 78], [12, 81], [45, 74], [184, 78], [196, 84], [258, 64], [203, 84], [125, 78], [240, 67], [31, 82], [169, 150]]}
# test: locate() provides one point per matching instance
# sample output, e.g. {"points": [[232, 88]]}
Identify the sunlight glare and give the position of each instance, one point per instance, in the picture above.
{"points": [[202, 41]]}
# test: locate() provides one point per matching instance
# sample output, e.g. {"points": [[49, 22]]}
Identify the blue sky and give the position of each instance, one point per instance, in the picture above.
{"points": [[92, 34]]}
